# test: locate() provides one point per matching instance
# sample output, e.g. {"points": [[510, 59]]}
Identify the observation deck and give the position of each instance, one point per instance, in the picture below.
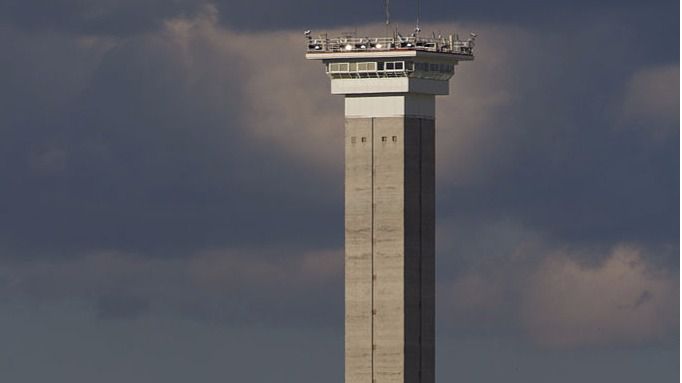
{"points": [[398, 64], [350, 46]]}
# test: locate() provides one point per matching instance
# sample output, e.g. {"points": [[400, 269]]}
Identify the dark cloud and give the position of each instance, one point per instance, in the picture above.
{"points": [[223, 285], [551, 147], [162, 163], [148, 153], [130, 17], [120, 307], [102, 17]]}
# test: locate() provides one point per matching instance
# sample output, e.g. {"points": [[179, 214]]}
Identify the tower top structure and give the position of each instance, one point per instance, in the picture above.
{"points": [[396, 64], [352, 44]]}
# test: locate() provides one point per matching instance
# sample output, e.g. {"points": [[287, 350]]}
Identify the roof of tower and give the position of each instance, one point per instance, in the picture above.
{"points": [[448, 47]]}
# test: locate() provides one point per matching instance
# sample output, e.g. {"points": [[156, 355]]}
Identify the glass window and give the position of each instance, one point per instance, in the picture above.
{"points": [[366, 66], [338, 67], [380, 66], [390, 66], [399, 65]]}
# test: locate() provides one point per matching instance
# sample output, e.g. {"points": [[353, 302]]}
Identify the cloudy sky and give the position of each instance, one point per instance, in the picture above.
{"points": [[172, 197]]}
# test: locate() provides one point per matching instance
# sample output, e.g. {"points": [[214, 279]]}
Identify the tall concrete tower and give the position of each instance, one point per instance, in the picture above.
{"points": [[389, 84]]}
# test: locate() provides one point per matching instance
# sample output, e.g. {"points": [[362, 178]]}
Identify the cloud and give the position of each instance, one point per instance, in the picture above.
{"points": [[135, 139], [652, 101], [129, 17], [181, 162], [104, 17], [285, 104], [620, 301], [565, 297], [224, 285], [120, 307], [193, 150], [195, 124]]}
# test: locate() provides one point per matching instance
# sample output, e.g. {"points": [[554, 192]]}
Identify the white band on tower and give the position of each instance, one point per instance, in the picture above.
{"points": [[401, 105]]}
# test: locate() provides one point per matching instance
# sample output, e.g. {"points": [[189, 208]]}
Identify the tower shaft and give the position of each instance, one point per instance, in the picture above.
{"points": [[389, 258]]}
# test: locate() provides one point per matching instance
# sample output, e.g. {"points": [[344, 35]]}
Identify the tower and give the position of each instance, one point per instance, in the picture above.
{"points": [[389, 84]]}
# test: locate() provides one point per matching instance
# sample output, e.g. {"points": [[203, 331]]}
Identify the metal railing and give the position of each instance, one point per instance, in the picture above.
{"points": [[449, 44], [407, 68]]}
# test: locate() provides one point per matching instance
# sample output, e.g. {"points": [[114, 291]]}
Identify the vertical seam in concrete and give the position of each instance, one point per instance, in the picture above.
{"points": [[421, 308], [372, 251]]}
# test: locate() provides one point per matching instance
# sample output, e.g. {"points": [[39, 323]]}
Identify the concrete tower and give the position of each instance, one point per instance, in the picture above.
{"points": [[389, 84]]}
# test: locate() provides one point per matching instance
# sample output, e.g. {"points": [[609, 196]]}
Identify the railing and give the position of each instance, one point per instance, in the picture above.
{"points": [[448, 44], [408, 68]]}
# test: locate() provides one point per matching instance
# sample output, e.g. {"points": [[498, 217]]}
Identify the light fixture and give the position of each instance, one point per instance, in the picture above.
{"points": [[349, 47], [379, 46]]}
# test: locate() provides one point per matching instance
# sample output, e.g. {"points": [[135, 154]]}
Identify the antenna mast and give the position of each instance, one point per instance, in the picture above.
{"points": [[419, 15], [387, 3], [387, 12]]}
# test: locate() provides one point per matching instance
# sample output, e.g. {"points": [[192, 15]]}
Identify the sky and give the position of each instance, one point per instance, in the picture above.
{"points": [[172, 199]]}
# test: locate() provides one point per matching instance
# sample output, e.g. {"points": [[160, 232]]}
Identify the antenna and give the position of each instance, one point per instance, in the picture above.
{"points": [[419, 15], [387, 12]]}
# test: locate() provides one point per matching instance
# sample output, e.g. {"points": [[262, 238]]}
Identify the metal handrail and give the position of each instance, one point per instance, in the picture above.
{"points": [[439, 44]]}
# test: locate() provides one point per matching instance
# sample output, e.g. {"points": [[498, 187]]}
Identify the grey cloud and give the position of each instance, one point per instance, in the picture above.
{"points": [[151, 143], [216, 285], [186, 138], [161, 142], [569, 304], [101, 17], [128, 17], [643, 299], [120, 307], [177, 170], [519, 284], [652, 102], [71, 347], [530, 135]]}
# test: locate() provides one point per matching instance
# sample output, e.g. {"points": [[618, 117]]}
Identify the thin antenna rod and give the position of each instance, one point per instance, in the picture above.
{"points": [[387, 4], [419, 15]]}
